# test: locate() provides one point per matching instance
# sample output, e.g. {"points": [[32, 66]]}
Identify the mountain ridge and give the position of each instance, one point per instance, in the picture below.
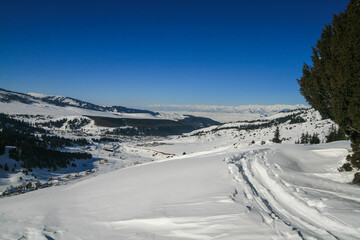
{"points": [[61, 101]]}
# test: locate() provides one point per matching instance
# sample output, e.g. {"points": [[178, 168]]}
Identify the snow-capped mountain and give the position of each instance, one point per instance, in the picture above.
{"points": [[69, 114], [31, 98]]}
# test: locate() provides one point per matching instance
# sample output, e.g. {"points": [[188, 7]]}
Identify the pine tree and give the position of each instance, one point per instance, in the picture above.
{"points": [[335, 134], [6, 167], [276, 138], [314, 139], [332, 84]]}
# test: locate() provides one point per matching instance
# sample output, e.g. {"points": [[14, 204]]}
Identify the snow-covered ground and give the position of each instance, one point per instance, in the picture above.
{"points": [[46, 109], [215, 183]]}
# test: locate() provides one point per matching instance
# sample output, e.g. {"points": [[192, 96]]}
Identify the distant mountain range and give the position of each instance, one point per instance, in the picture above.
{"points": [[242, 109], [10, 96], [62, 113], [227, 113], [57, 113]]}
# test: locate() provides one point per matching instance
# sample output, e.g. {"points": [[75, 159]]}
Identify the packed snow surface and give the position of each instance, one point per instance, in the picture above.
{"points": [[272, 191]]}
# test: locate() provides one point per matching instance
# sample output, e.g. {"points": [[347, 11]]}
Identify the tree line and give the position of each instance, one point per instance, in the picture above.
{"points": [[37, 150]]}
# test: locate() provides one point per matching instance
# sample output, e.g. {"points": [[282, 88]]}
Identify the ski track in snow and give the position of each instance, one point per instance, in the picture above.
{"points": [[269, 191]]}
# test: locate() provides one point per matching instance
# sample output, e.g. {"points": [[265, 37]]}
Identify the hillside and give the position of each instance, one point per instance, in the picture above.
{"points": [[209, 186], [89, 178], [65, 114], [7, 96]]}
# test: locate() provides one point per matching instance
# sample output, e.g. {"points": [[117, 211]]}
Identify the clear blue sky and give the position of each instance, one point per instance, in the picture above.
{"points": [[135, 53]]}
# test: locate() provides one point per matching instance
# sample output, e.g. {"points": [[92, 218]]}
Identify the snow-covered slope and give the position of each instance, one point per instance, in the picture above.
{"points": [[256, 192], [40, 104], [44, 110], [222, 182]]}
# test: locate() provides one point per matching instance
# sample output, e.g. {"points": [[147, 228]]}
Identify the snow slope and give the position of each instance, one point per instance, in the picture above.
{"points": [[222, 182], [180, 199], [278, 191], [45, 109], [59, 106], [300, 187]]}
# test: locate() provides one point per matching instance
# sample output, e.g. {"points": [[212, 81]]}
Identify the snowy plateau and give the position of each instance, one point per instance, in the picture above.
{"points": [[225, 180]]}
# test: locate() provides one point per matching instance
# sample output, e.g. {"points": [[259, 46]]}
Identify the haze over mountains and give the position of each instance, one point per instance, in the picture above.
{"points": [[227, 113], [244, 109]]}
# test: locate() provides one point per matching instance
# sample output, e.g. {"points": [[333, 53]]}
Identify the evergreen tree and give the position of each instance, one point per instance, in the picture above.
{"points": [[335, 134], [2, 149], [276, 138], [332, 84], [305, 138], [314, 139]]}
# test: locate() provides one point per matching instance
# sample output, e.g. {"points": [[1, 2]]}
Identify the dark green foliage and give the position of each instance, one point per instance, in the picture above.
{"points": [[78, 123], [33, 157], [2, 149], [306, 138], [58, 142], [332, 84], [346, 167], [34, 151], [314, 139], [19, 126], [335, 134], [105, 139], [54, 124], [356, 179], [14, 154], [276, 138], [297, 119]]}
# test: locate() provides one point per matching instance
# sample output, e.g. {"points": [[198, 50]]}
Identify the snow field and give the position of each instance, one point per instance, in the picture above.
{"points": [[187, 198], [223, 187], [279, 184]]}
